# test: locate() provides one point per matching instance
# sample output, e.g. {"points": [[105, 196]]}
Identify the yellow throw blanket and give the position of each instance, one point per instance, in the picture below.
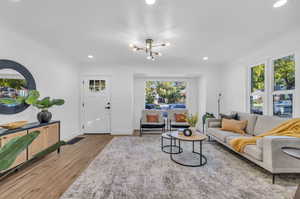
{"points": [[288, 128]]}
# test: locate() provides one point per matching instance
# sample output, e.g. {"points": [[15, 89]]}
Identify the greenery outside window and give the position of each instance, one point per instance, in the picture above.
{"points": [[284, 86], [165, 95], [257, 89]]}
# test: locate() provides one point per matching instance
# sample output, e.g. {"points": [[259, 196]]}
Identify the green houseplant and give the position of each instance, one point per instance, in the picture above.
{"points": [[10, 151], [43, 105], [205, 117], [192, 120]]}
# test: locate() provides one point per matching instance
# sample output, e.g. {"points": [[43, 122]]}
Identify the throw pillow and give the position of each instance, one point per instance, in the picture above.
{"points": [[235, 126], [233, 116], [180, 117], [152, 118]]}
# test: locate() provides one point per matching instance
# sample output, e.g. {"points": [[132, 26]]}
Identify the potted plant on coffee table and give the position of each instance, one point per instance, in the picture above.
{"points": [[192, 120]]}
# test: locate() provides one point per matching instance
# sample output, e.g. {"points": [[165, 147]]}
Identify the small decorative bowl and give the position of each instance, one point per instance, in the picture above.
{"points": [[14, 125], [187, 132]]}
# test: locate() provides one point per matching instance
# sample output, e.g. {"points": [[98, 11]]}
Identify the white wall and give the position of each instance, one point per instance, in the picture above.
{"points": [[125, 110], [234, 75], [55, 77]]}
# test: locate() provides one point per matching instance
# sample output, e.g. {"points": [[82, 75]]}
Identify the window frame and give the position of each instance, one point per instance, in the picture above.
{"points": [[261, 93], [280, 92], [269, 91]]}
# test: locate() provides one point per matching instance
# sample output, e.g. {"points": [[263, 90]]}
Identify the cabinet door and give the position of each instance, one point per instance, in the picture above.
{"points": [[23, 156], [39, 143], [52, 135]]}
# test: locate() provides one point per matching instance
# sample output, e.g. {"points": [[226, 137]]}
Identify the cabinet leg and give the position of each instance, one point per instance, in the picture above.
{"points": [[58, 150]]}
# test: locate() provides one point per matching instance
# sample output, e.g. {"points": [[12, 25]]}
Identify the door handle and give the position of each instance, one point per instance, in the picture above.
{"points": [[107, 107]]}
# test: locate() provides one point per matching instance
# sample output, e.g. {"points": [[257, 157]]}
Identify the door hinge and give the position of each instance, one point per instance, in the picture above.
{"points": [[83, 105]]}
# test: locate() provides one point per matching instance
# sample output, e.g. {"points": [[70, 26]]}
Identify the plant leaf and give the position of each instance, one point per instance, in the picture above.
{"points": [[58, 102], [10, 151], [8, 101], [32, 97]]}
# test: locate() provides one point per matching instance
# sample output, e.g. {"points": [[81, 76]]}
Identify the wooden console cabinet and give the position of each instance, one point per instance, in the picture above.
{"points": [[49, 135]]}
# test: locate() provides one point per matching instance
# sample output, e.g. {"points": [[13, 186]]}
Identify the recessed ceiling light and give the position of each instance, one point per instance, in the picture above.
{"points": [[279, 3], [150, 2], [90, 56], [205, 58]]}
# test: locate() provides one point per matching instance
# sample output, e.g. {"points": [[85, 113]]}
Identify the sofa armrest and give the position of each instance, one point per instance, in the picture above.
{"points": [[213, 123], [275, 159]]}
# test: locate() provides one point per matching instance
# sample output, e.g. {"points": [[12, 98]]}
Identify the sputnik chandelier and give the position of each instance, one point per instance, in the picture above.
{"points": [[149, 48]]}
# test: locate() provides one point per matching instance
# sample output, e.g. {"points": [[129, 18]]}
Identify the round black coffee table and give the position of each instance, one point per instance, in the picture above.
{"points": [[167, 148], [196, 137]]}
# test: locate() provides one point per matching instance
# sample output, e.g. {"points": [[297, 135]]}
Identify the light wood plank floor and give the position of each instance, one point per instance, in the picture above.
{"points": [[51, 176]]}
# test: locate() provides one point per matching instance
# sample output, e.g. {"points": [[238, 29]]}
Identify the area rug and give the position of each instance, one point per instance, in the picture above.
{"points": [[135, 168]]}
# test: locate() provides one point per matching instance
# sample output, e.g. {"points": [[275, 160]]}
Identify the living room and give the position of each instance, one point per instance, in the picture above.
{"points": [[94, 59]]}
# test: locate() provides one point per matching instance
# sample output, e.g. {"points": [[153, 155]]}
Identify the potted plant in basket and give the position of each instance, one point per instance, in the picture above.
{"points": [[44, 104]]}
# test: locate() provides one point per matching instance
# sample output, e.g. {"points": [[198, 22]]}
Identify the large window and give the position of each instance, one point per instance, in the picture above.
{"points": [[272, 87], [284, 86], [165, 95], [257, 89]]}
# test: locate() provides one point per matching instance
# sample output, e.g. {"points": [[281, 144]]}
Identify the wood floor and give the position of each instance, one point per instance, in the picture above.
{"points": [[50, 177]]}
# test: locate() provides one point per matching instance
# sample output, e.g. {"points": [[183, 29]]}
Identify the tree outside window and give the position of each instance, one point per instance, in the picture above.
{"points": [[284, 73], [257, 89]]}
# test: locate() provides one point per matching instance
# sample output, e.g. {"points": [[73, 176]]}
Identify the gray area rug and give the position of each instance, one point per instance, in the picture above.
{"points": [[135, 168]]}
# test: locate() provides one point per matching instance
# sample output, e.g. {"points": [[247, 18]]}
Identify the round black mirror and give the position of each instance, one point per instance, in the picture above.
{"points": [[15, 80]]}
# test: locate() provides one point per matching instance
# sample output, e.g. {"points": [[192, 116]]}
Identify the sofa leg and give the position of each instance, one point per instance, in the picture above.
{"points": [[273, 179], [141, 131]]}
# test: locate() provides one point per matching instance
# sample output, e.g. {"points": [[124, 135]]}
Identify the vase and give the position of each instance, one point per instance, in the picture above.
{"points": [[44, 116], [193, 129]]}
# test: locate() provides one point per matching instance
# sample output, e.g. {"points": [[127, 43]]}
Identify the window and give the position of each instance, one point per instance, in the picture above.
{"points": [[272, 87], [257, 89], [165, 95], [283, 105], [97, 85], [284, 86], [284, 73]]}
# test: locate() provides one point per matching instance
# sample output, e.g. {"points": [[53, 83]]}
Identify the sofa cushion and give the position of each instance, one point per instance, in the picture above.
{"points": [[180, 117], [259, 143], [235, 126], [219, 134], [153, 118], [254, 152], [266, 123], [251, 118], [229, 138]]}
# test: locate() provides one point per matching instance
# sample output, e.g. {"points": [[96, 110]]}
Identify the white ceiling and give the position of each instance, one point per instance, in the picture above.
{"points": [[220, 29]]}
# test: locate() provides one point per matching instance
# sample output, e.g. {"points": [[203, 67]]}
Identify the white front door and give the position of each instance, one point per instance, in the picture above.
{"points": [[96, 104]]}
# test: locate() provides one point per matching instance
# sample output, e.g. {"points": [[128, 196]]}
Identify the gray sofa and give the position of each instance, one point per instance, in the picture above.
{"points": [[267, 152]]}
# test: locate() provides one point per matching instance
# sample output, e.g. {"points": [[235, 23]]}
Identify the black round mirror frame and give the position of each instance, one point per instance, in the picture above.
{"points": [[8, 64]]}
